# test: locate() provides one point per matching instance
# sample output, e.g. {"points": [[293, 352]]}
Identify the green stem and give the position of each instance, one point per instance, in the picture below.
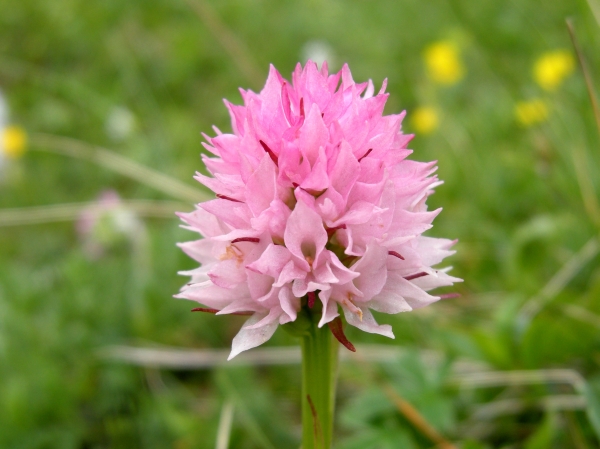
{"points": [[319, 370]]}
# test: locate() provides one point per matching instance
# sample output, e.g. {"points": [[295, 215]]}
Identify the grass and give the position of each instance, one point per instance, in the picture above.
{"points": [[519, 199]]}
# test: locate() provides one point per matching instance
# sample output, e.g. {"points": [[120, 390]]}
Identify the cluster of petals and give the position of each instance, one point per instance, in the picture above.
{"points": [[315, 201]]}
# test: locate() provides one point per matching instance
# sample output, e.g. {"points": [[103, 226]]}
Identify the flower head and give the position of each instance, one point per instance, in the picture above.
{"points": [[120, 123], [317, 206], [13, 139], [531, 112], [425, 119], [551, 69], [443, 63], [108, 223]]}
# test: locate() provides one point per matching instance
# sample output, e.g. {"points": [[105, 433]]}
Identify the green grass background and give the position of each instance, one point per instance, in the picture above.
{"points": [[512, 196]]}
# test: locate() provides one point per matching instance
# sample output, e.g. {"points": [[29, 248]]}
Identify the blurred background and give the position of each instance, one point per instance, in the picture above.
{"points": [[103, 106]]}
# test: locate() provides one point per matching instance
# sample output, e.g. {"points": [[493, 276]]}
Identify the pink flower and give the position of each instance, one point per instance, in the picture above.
{"points": [[108, 223], [316, 201]]}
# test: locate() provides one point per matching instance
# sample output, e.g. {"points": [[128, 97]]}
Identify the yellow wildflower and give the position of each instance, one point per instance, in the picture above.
{"points": [[531, 112], [14, 141], [443, 62], [425, 119], [551, 69]]}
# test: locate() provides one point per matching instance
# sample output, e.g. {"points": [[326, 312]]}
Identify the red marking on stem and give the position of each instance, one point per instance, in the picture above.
{"points": [[302, 107], [311, 299], [450, 296], [317, 433], [366, 154], [415, 276], [203, 309], [395, 254], [246, 239], [272, 155], [337, 329], [223, 197]]}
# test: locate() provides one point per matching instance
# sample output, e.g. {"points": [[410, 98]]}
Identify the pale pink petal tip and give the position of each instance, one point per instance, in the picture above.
{"points": [[251, 338]]}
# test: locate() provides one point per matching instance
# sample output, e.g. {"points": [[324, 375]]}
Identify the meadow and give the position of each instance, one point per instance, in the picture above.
{"points": [[113, 96]]}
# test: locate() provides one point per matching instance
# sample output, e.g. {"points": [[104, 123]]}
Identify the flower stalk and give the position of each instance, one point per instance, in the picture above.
{"points": [[319, 373]]}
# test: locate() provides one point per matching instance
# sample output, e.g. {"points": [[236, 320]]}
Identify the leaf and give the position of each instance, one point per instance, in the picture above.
{"points": [[366, 408], [595, 7], [470, 444], [593, 407], [425, 387], [377, 438], [544, 435], [253, 407]]}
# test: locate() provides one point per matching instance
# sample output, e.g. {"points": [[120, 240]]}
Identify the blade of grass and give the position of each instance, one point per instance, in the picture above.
{"points": [[595, 7], [593, 409], [251, 424], [575, 430], [71, 211], [192, 359], [108, 159], [556, 284], [491, 379], [225, 422], [586, 73], [234, 46], [516, 405], [582, 314], [416, 419], [586, 185]]}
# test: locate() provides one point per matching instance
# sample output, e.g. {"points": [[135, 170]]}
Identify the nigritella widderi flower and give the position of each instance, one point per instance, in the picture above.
{"points": [[317, 206]]}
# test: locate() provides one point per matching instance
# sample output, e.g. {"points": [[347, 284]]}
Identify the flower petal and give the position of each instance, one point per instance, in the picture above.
{"points": [[367, 323], [248, 338], [305, 235]]}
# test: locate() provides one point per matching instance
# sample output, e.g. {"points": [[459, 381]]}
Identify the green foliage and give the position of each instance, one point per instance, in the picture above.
{"points": [[519, 199]]}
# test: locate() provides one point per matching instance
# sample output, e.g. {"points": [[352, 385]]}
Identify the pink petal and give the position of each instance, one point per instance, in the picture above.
{"points": [[399, 287], [305, 235], [345, 170], [261, 187], [251, 338], [330, 308], [372, 269], [439, 279], [272, 220], [227, 274], [203, 222], [234, 214], [203, 250], [289, 273], [313, 135], [289, 303], [272, 261], [317, 180], [214, 296], [367, 323]]}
